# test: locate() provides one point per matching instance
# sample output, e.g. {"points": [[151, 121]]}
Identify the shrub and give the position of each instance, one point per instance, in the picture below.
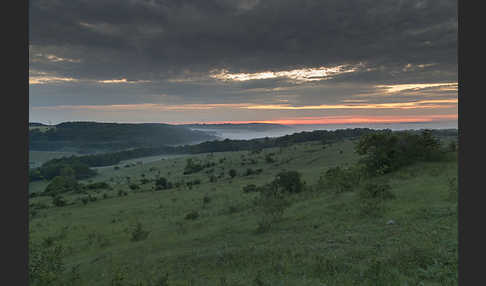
{"points": [[452, 188], [192, 215], [372, 207], [161, 183], [272, 203], [250, 188], [376, 191], [59, 201], [45, 265], [289, 181], [232, 173], [85, 200], [192, 167], [269, 159], [134, 187], [387, 151], [206, 199], [62, 184], [138, 233], [452, 146], [372, 198], [341, 179], [98, 185]]}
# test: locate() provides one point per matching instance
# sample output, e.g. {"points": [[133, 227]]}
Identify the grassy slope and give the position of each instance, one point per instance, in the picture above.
{"points": [[322, 238]]}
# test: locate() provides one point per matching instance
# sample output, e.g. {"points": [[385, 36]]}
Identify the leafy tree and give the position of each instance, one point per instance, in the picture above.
{"points": [[387, 151], [232, 173]]}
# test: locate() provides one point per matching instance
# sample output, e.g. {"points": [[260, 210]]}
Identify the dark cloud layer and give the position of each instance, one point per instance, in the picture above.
{"points": [[168, 51], [151, 39]]}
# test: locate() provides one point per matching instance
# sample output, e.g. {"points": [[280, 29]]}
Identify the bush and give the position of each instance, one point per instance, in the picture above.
{"points": [[98, 185], [192, 215], [85, 200], [161, 184], [59, 201], [269, 159], [232, 173], [387, 151], [289, 181], [453, 189], [134, 187], [192, 167], [272, 203], [62, 184], [138, 233], [452, 146], [45, 265], [372, 207], [372, 198], [376, 191], [341, 179], [250, 188]]}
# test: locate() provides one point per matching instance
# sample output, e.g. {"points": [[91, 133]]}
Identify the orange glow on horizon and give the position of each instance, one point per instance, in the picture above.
{"points": [[338, 120]]}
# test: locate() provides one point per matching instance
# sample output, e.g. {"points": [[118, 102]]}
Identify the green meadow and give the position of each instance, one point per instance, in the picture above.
{"points": [[206, 230]]}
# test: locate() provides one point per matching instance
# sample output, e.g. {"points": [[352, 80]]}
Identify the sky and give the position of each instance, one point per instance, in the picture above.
{"points": [[238, 61]]}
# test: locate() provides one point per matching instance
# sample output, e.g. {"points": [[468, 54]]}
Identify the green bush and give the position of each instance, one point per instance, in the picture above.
{"points": [[341, 179], [387, 151], [289, 181], [45, 265], [134, 187], [138, 233], [98, 185], [250, 188], [373, 190], [192, 215], [62, 184], [59, 201], [372, 198], [192, 167], [161, 184]]}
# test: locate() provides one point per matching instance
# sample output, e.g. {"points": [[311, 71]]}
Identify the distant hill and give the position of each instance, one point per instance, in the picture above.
{"points": [[245, 126], [34, 124], [88, 137]]}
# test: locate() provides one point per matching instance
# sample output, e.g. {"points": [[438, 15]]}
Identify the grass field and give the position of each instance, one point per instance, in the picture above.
{"points": [[322, 238]]}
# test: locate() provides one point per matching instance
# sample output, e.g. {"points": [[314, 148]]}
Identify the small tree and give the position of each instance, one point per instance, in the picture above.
{"points": [[232, 173]]}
